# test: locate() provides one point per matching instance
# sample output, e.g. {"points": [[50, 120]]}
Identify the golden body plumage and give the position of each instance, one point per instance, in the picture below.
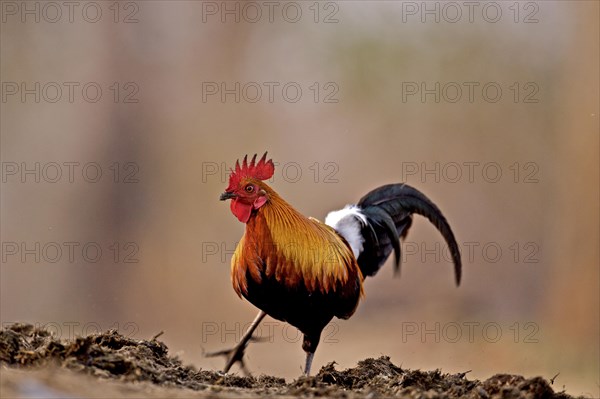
{"points": [[295, 268]]}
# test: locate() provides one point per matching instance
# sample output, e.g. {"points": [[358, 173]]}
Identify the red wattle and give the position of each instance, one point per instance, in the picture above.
{"points": [[241, 211]]}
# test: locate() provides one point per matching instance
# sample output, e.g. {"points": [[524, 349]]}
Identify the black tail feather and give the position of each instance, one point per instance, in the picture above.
{"points": [[389, 210]]}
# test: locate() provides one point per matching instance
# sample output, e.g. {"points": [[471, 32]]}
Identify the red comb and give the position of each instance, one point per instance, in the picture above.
{"points": [[262, 170]]}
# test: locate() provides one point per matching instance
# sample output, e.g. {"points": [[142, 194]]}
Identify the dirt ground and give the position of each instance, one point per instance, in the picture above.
{"points": [[36, 364]]}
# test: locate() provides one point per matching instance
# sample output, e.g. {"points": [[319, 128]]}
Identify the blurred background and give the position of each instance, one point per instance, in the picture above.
{"points": [[120, 121]]}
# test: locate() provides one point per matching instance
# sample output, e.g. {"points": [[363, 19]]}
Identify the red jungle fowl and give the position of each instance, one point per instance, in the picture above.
{"points": [[304, 272]]}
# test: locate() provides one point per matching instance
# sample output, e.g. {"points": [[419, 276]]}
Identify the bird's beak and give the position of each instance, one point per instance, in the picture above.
{"points": [[227, 195]]}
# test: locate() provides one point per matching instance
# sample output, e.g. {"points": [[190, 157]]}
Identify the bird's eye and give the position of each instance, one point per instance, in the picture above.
{"points": [[249, 188]]}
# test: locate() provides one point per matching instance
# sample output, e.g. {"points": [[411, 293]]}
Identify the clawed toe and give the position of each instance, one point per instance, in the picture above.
{"points": [[232, 356], [235, 355]]}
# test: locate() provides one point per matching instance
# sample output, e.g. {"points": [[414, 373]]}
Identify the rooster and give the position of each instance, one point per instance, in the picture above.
{"points": [[304, 272]]}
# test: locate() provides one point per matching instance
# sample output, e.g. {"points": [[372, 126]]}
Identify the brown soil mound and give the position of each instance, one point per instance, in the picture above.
{"points": [[111, 356]]}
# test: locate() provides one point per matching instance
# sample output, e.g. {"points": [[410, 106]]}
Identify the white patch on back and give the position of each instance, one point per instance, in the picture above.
{"points": [[348, 222]]}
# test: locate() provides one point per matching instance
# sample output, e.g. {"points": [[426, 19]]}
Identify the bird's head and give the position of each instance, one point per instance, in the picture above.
{"points": [[246, 189]]}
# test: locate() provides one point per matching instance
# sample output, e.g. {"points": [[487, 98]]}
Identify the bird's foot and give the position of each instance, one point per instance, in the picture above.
{"points": [[235, 355]]}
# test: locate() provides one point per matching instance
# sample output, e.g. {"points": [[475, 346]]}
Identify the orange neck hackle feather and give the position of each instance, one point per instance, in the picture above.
{"points": [[281, 243]]}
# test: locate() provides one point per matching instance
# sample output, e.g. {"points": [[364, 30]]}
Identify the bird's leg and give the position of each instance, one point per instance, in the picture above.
{"points": [[309, 359], [236, 354], [309, 344]]}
